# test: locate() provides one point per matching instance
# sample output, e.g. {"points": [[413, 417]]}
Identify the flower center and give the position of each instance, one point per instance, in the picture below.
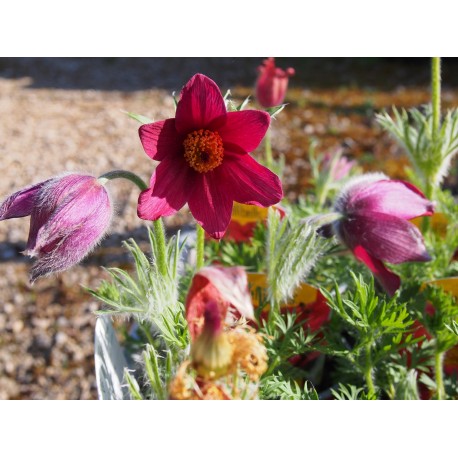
{"points": [[203, 150]]}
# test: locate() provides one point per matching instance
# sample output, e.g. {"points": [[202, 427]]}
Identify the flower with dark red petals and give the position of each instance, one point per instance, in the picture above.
{"points": [[374, 225], [272, 83], [69, 214], [204, 160]]}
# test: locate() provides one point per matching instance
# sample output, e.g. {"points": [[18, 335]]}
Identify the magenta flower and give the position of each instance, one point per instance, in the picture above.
{"points": [[272, 83], [374, 225], [69, 215], [204, 160]]}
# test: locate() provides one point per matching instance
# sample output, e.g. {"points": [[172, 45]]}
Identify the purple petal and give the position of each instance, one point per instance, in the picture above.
{"points": [[389, 281], [77, 224], [169, 190], [64, 253], [21, 203], [72, 203], [160, 139], [396, 198], [248, 182], [244, 130], [201, 106], [210, 205], [386, 237]]}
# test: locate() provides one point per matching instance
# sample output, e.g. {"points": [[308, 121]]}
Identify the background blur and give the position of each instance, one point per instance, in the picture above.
{"points": [[66, 114]]}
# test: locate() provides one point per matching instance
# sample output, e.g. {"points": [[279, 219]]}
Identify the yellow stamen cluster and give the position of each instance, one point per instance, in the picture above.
{"points": [[203, 150]]}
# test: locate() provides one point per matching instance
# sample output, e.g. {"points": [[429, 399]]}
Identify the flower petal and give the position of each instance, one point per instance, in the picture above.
{"points": [[210, 204], [78, 221], [201, 105], [389, 281], [248, 182], [61, 254], [169, 189], [21, 203], [386, 237], [160, 139], [396, 198], [232, 284], [85, 209], [244, 130]]}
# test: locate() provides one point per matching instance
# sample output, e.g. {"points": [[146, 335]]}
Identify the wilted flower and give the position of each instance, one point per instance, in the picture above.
{"points": [[250, 355], [211, 351], [185, 387], [205, 161], [221, 345], [272, 83], [69, 214], [374, 225], [226, 287]]}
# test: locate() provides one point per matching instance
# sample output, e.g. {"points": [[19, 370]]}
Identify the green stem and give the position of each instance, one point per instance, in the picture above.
{"points": [[368, 371], [322, 191], [436, 94], [159, 232], [158, 225], [438, 363], [123, 174], [145, 329], [200, 246], [268, 146]]}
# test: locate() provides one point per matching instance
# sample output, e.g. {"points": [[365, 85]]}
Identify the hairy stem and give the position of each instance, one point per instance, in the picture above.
{"points": [[123, 174], [200, 245], [159, 232], [436, 94], [158, 225], [368, 371], [438, 363], [268, 146]]}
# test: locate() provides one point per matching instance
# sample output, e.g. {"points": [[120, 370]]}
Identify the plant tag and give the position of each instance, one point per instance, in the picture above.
{"points": [[449, 285], [438, 222], [109, 361], [244, 220]]}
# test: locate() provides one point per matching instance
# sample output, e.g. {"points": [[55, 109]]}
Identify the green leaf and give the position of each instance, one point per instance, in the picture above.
{"points": [[140, 118]]}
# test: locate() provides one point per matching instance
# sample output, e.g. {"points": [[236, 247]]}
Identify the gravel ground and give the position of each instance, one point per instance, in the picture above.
{"points": [[67, 115]]}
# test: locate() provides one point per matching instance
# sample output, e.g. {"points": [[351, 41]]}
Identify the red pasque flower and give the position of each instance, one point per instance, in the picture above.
{"points": [[204, 160], [272, 83], [69, 215], [374, 225]]}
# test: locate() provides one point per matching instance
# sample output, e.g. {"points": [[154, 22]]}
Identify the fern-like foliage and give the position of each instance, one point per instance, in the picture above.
{"points": [[275, 387], [146, 295], [430, 153]]}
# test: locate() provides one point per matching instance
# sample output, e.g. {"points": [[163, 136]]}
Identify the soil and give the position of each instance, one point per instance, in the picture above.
{"points": [[67, 115]]}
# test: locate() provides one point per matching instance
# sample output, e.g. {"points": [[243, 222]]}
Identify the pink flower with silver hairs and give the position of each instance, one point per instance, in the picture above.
{"points": [[272, 83], [374, 225], [69, 214]]}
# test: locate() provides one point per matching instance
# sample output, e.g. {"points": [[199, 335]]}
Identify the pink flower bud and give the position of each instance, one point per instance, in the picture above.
{"points": [[69, 215], [338, 168], [272, 83]]}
